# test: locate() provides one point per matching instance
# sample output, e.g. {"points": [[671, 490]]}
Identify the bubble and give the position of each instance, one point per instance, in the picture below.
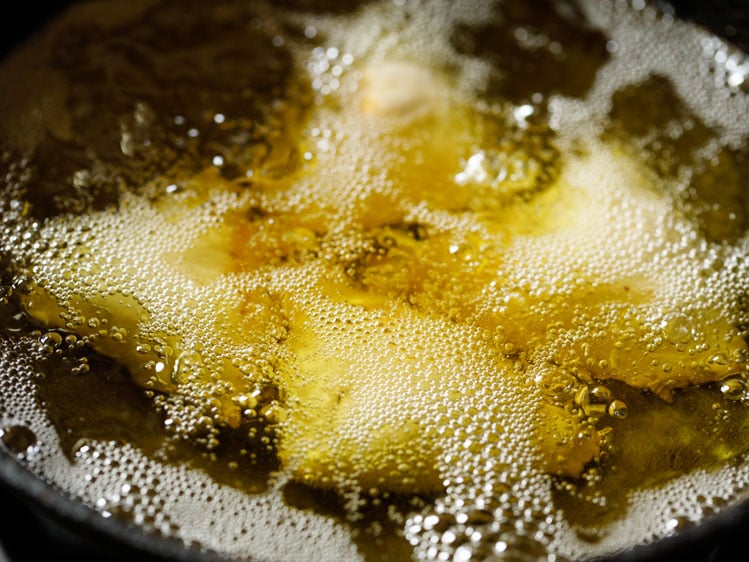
{"points": [[677, 328], [618, 409], [19, 439], [733, 388]]}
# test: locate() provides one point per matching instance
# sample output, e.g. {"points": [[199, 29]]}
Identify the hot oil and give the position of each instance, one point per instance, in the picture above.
{"points": [[70, 374], [699, 431], [243, 130], [708, 187]]}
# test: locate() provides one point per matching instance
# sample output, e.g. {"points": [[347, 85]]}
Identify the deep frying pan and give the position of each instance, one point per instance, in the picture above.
{"points": [[39, 523]]}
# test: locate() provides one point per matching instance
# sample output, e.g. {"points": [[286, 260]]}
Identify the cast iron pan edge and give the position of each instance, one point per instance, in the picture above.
{"points": [[43, 522]]}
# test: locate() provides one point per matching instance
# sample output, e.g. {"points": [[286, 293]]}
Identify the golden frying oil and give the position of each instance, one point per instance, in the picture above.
{"points": [[378, 280]]}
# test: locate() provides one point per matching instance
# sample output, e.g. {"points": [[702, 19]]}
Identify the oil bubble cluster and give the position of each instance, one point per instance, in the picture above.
{"points": [[396, 280]]}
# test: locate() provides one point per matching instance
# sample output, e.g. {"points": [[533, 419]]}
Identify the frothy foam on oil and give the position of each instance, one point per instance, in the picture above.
{"points": [[218, 331]]}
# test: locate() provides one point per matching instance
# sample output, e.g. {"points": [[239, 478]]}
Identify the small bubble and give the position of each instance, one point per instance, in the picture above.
{"points": [[600, 394], [678, 523], [618, 409], [677, 328], [19, 439], [732, 388]]}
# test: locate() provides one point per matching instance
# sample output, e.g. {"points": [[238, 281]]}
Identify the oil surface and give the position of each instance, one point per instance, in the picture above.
{"points": [[378, 280]]}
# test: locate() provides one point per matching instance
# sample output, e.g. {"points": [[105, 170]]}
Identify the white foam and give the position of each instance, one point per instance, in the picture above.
{"points": [[629, 229]]}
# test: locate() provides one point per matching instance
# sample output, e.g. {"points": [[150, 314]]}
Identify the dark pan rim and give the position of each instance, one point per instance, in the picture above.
{"points": [[70, 520], [712, 540]]}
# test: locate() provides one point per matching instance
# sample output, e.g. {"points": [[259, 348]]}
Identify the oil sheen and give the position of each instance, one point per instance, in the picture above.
{"points": [[394, 280]]}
